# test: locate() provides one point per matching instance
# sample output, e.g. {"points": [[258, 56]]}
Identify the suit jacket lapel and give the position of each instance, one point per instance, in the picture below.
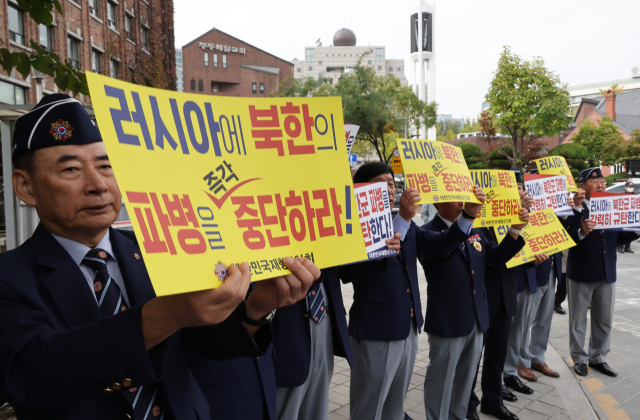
{"points": [[134, 272], [442, 226], [66, 285]]}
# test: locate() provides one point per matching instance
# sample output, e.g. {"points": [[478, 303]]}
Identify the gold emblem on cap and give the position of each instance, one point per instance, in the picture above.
{"points": [[137, 256], [477, 246]]}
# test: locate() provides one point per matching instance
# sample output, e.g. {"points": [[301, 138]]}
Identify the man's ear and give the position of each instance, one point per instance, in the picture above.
{"points": [[22, 183]]}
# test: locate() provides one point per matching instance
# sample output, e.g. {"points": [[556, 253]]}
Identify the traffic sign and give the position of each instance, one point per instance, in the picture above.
{"points": [[353, 159], [396, 164]]}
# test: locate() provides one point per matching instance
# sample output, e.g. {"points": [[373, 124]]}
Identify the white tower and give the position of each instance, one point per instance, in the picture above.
{"points": [[423, 55]]}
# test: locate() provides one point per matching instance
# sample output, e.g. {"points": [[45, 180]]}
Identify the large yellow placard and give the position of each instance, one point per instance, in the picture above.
{"points": [[544, 234], [437, 170], [502, 205], [556, 165], [211, 180]]}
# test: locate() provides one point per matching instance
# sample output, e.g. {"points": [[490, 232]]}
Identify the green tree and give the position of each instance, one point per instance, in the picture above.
{"points": [[472, 155], [305, 87], [615, 149], [575, 154], [488, 127], [443, 128], [527, 101], [614, 87], [497, 159], [64, 74], [470, 125], [593, 135]]}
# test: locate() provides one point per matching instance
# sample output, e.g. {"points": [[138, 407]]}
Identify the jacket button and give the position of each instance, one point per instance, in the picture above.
{"points": [[116, 387], [257, 357], [126, 382], [605, 252], [473, 272], [474, 292], [305, 316], [408, 290]]}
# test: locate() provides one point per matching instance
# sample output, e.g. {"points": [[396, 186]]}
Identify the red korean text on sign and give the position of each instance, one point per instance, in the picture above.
{"points": [[296, 122], [457, 182], [419, 181], [452, 154]]}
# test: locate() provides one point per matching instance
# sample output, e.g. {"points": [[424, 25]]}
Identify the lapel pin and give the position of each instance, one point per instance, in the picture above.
{"points": [[137, 256]]}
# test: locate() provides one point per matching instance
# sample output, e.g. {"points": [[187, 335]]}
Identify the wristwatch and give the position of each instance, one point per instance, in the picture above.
{"points": [[516, 231], [255, 323], [468, 216]]}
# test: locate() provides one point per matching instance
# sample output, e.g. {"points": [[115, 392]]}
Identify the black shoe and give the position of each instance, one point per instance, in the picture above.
{"points": [[500, 412], [516, 384], [472, 415], [406, 417], [508, 395], [620, 250], [628, 249], [581, 369], [603, 368], [559, 309]]}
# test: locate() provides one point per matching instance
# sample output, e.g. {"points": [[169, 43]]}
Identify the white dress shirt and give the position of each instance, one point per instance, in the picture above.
{"points": [[78, 251]]}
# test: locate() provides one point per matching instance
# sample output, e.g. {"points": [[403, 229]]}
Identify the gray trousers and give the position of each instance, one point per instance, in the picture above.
{"points": [[380, 377], [517, 349], [542, 315], [450, 373], [602, 297], [311, 399]]}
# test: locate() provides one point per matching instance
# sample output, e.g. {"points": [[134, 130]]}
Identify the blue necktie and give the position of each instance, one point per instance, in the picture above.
{"points": [[145, 401], [317, 306]]}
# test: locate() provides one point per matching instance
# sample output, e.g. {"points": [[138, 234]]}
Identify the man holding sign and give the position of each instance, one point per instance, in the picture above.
{"points": [[591, 277], [457, 309], [83, 334]]}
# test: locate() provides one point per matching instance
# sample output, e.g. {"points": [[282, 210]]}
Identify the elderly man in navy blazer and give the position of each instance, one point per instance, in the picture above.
{"points": [[591, 280], [83, 335], [386, 317], [457, 310]]}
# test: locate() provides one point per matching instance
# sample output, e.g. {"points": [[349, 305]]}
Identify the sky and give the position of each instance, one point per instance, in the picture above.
{"points": [[583, 41]]}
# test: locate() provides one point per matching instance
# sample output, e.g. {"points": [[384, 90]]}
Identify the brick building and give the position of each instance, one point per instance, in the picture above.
{"points": [[130, 40], [216, 63]]}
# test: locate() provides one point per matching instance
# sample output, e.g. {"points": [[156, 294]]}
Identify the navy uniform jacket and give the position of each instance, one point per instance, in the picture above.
{"points": [[526, 277], [456, 295], [58, 354], [500, 282], [292, 335], [385, 291], [594, 258], [544, 270]]}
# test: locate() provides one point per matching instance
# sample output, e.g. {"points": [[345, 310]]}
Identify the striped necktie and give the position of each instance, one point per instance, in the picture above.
{"points": [[317, 306], [145, 401]]}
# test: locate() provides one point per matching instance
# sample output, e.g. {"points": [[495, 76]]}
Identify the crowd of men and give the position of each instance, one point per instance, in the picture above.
{"points": [[83, 335]]}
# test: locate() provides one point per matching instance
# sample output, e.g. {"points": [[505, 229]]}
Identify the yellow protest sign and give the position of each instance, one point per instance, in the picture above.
{"points": [[210, 180], [502, 205], [556, 165], [437, 170], [544, 234]]}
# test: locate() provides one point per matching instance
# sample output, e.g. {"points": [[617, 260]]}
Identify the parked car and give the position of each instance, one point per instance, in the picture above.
{"points": [[618, 187], [396, 205]]}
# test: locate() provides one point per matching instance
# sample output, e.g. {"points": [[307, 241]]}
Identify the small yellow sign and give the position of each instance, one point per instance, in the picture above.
{"points": [[209, 181], [556, 165], [544, 234], [396, 164], [437, 170], [502, 205]]}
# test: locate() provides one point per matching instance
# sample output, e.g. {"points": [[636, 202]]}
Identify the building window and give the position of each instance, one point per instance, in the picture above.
{"points": [[310, 68], [45, 37], [214, 86], [320, 62], [206, 59], [224, 61], [299, 70], [74, 52], [111, 15], [379, 67], [215, 59], [399, 68], [144, 38], [193, 85], [11, 94], [368, 61], [95, 61], [338, 55], [93, 8], [113, 69], [253, 88], [261, 88], [390, 68], [16, 25], [310, 55], [350, 55], [200, 86], [379, 55], [128, 24]]}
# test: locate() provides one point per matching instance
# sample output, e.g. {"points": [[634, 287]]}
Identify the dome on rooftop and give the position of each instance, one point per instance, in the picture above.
{"points": [[344, 38]]}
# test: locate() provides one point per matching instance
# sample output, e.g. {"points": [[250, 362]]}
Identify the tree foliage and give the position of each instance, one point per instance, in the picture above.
{"points": [[472, 155], [593, 135], [379, 105], [575, 154], [615, 149], [488, 127], [64, 74], [614, 87], [527, 101], [497, 159]]}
